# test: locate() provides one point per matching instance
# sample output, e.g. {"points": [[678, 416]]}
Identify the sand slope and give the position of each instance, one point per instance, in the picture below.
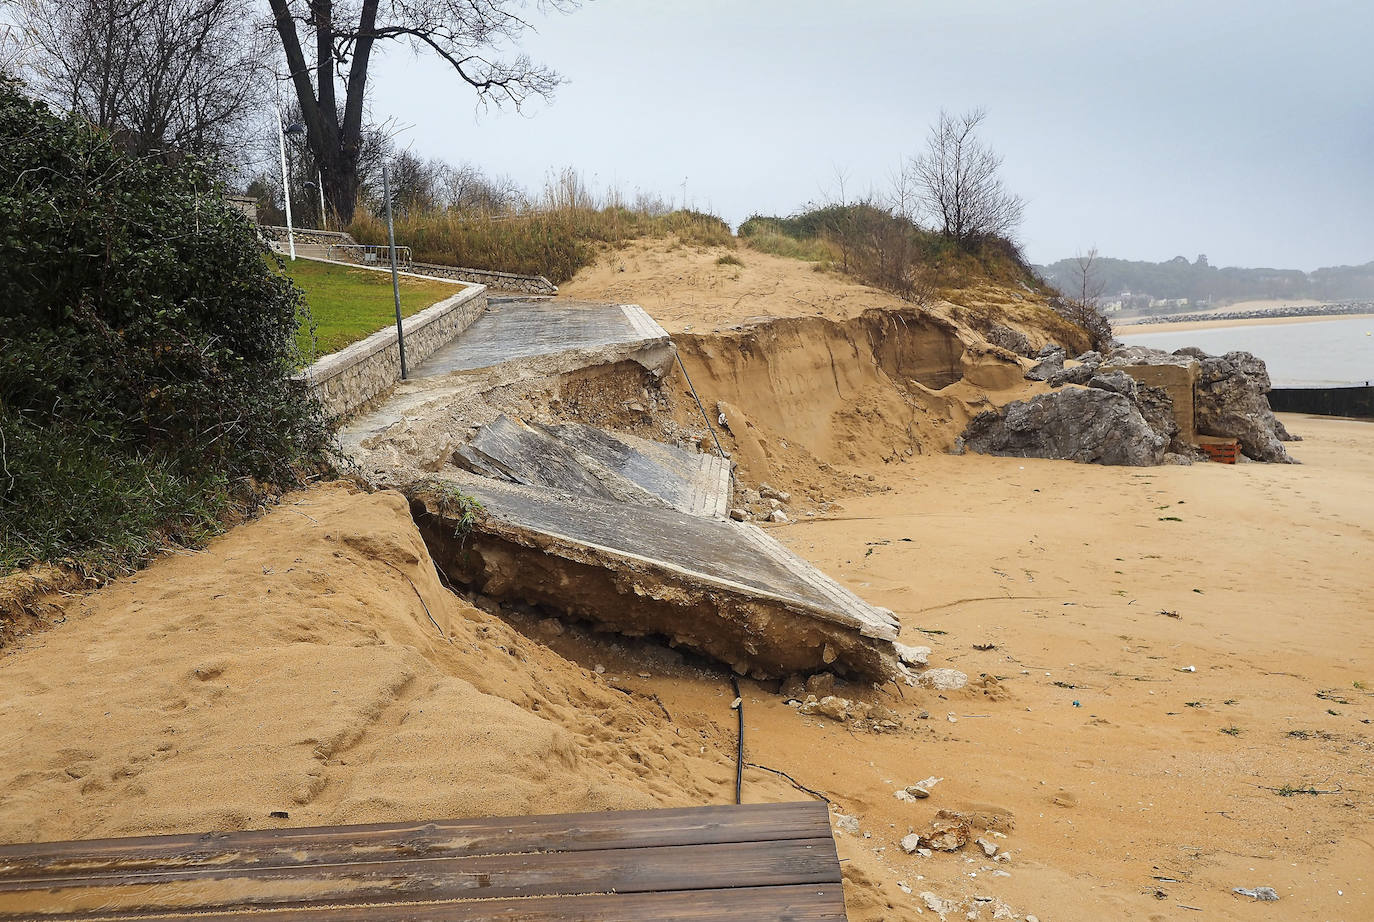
{"points": [[686, 290], [291, 666]]}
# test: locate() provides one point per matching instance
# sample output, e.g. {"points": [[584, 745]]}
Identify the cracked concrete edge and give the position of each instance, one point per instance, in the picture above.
{"points": [[877, 622], [409, 398], [850, 610], [850, 651]]}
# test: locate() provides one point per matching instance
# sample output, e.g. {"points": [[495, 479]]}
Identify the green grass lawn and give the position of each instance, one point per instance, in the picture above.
{"points": [[349, 304]]}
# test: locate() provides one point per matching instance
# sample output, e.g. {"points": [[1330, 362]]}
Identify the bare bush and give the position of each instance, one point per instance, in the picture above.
{"points": [[1081, 306], [956, 182]]}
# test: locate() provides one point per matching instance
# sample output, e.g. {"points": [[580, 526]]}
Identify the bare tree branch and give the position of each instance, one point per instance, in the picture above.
{"points": [[161, 74]]}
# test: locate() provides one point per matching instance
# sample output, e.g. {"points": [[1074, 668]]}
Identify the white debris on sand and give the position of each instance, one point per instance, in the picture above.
{"points": [[913, 656], [918, 791], [1265, 894], [846, 823], [943, 679]]}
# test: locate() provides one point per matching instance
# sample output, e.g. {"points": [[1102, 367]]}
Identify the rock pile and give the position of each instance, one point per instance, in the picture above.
{"points": [[859, 714], [1091, 425], [1050, 360], [1087, 366], [1012, 340], [1111, 418], [766, 503], [1230, 402]]}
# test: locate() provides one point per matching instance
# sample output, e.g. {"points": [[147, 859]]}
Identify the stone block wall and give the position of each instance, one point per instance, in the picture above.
{"points": [[497, 281], [349, 378], [304, 235]]}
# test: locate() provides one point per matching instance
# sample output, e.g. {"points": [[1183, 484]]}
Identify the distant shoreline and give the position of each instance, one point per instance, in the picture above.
{"points": [[1261, 319], [1315, 311]]}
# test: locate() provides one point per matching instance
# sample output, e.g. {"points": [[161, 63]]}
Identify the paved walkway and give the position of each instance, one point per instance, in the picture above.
{"points": [[514, 330], [512, 339]]}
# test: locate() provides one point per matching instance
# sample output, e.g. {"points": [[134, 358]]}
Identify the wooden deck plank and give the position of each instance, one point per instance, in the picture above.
{"points": [[442, 838], [798, 903], [635, 870]]}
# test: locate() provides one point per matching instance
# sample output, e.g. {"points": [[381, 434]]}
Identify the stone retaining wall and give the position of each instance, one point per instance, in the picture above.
{"points": [[349, 378], [305, 235], [498, 281]]}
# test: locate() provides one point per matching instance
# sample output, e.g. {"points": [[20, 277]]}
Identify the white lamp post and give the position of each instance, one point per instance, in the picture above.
{"points": [[286, 187]]}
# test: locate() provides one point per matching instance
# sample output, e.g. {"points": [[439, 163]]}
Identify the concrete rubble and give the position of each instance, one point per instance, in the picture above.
{"points": [[918, 791], [943, 679]]}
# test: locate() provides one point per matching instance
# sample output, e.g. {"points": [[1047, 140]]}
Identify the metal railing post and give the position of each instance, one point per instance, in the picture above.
{"points": [[395, 280]]}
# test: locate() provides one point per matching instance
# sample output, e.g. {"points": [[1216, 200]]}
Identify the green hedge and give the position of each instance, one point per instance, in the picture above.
{"points": [[146, 349]]}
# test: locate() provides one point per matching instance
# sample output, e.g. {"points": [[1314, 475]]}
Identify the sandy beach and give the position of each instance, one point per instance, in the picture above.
{"points": [[1171, 669], [1157, 656]]}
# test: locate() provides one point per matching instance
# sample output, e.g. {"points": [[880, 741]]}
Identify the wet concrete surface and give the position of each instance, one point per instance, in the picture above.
{"points": [[513, 330]]}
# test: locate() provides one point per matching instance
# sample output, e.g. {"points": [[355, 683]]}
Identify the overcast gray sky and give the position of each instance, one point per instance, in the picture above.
{"points": [[1243, 130]]}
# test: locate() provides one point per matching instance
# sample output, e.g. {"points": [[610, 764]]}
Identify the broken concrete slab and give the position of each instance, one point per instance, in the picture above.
{"points": [[690, 481], [724, 589], [577, 458], [508, 449], [1176, 375], [577, 333]]}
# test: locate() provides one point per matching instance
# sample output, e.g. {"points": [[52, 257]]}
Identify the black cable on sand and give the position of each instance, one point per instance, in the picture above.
{"points": [[739, 747], [699, 406]]}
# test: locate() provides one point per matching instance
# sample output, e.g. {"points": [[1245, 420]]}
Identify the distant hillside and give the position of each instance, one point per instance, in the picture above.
{"points": [[1199, 281]]}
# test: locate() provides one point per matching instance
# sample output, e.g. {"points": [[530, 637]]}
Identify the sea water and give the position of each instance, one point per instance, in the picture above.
{"points": [[1318, 353]]}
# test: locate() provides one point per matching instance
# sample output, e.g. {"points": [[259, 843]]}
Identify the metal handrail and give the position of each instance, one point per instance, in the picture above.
{"points": [[367, 253]]}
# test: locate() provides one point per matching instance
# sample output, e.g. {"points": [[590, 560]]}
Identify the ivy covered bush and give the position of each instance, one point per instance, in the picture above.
{"points": [[146, 350]]}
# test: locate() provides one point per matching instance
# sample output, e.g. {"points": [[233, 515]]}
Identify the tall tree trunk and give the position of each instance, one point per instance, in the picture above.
{"points": [[334, 138], [340, 177]]}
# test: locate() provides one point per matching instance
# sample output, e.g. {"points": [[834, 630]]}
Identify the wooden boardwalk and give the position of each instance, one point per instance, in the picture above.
{"points": [[752, 863]]}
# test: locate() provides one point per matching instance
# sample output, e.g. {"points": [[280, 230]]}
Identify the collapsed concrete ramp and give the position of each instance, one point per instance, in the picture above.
{"points": [[720, 588], [576, 458], [623, 532]]}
